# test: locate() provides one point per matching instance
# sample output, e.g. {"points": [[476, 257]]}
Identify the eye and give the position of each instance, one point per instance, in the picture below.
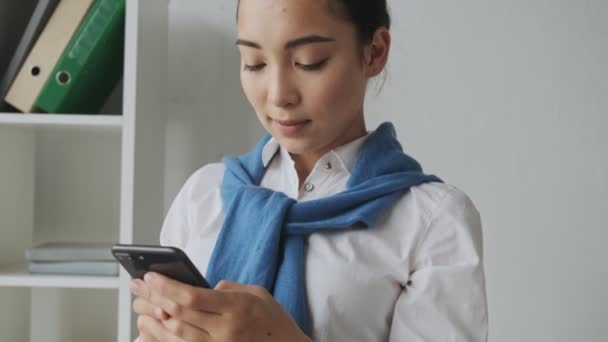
{"points": [[313, 67], [253, 68]]}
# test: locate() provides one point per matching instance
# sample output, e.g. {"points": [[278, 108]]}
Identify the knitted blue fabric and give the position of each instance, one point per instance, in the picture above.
{"points": [[262, 240]]}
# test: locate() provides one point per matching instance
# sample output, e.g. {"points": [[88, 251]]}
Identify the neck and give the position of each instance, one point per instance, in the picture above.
{"points": [[305, 162]]}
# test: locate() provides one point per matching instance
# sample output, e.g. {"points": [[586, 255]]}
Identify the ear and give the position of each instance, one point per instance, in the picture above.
{"points": [[376, 53]]}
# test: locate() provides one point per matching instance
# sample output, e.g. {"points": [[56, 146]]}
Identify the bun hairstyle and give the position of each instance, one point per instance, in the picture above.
{"points": [[366, 15]]}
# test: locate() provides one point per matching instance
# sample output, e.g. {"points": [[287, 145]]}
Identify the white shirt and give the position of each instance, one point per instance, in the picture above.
{"points": [[415, 276]]}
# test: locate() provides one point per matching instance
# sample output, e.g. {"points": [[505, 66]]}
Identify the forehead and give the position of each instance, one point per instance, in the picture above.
{"points": [[283, 19]]}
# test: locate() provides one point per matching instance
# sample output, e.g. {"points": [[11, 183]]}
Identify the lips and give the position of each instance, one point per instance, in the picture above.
{"points": [[290, 123], [291, 127]]}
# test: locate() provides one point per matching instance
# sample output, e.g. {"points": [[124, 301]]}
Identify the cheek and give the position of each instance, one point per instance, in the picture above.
{"points": [[339, 91], [253, 93]]}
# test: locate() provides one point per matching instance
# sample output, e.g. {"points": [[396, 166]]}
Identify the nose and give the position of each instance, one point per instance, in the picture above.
{"points": [[282, 89]]}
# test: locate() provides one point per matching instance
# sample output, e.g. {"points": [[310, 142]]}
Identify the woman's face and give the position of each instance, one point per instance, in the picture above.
{"points": [[302, 71]]}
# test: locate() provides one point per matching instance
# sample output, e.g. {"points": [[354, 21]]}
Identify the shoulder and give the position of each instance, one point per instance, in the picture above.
{"points": [[435, 199], [201, 190], [451, 224], [210, 174], [204, 180]]}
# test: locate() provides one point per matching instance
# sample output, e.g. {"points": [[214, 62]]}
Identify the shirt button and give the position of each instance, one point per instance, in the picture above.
{"points": [[328, 166], [309, 187]]}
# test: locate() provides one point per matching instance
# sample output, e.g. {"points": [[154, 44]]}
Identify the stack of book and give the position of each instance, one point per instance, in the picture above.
{"points": [[72, 258], [69, 58]]}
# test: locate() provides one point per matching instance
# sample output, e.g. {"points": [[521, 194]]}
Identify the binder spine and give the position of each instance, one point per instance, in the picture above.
{"points": [[91, 64]]}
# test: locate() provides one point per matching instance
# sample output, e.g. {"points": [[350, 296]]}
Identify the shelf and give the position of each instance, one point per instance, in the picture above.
{"points": [[17, 275], [62, 120], [60, 175]]}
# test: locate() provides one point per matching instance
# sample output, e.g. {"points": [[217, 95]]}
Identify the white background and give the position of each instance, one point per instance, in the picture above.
{"points": [[507, 100]]}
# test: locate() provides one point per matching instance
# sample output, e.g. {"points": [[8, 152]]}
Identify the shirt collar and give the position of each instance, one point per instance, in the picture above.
{"points": [[269, 150], [347, 154]]}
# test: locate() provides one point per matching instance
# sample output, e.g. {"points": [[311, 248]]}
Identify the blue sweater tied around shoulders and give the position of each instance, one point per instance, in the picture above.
{"points": [[262, 239]]}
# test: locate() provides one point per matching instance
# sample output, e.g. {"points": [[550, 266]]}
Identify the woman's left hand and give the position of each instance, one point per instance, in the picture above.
{"points": [[231, 312]]}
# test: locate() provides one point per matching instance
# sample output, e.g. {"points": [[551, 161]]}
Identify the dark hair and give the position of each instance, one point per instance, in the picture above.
{"points": [[366, 15]]}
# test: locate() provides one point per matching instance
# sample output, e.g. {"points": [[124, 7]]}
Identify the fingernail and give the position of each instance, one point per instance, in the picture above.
{"points": [[149, 277], [135, 286]]}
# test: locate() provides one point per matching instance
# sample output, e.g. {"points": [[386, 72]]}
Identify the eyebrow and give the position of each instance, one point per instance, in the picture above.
{"points": [[290, 44]]}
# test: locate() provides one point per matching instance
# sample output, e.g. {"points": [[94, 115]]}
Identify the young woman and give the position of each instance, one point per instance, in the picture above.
{"points": [[323, 231]]}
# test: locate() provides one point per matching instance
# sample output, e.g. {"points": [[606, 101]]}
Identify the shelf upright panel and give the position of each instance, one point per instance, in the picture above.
{"points": [[143, 137]]}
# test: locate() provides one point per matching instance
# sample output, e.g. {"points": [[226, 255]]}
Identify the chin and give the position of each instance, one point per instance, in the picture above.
{"points": [[296, 146]]}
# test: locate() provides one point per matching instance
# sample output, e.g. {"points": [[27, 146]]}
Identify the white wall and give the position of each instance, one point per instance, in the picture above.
{"points": [[507, 100], [208, 114]]}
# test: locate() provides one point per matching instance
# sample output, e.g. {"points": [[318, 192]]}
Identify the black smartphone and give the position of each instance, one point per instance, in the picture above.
{"points": [[168, 261]]}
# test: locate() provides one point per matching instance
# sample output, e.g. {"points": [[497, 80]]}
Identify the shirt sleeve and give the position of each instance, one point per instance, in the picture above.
{"points": [[196, 193], [445, 298], [176, 228]]}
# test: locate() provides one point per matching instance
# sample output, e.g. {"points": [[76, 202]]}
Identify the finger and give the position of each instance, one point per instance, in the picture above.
{"points": [[143, 307], [186, 331], [138, 288], [148, 326], [165, 290], [205, 321], [143, 337], [189, 309], [227, 285], [258, 291], [145, 292]]}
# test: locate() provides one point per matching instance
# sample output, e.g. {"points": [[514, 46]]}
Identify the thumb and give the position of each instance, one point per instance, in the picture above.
{"points": [[229, 285], [255, 290]]}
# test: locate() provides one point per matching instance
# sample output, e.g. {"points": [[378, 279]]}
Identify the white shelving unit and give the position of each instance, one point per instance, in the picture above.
{"points": [[95, 178]]}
